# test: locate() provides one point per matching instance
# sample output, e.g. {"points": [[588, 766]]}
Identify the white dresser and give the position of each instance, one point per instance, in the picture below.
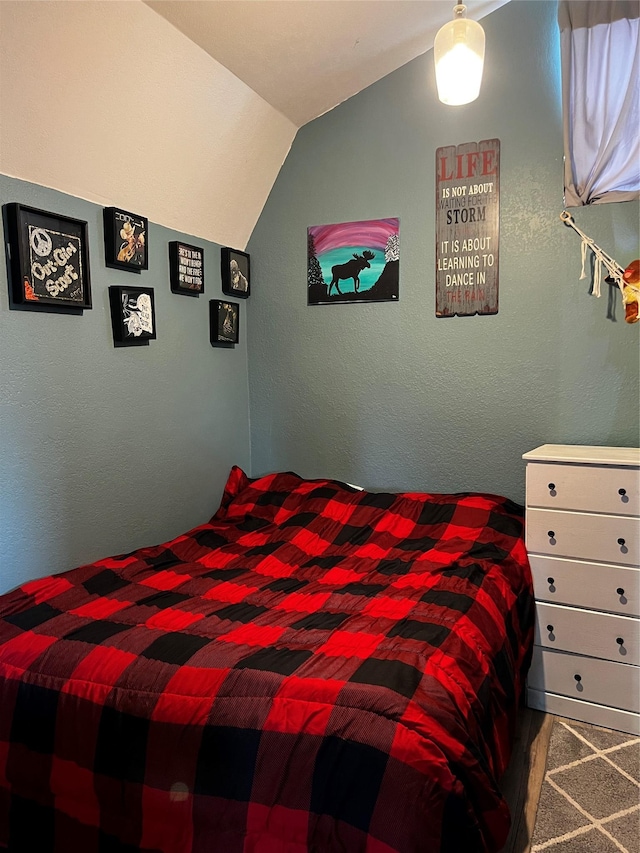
{"points": [[583, 539]]}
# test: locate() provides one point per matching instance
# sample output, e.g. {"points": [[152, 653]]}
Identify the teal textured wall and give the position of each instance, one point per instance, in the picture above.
{"points": [[387, 395], [104, 450]]}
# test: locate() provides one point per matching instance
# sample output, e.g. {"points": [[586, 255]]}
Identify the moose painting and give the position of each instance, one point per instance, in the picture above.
{"points": [[351, 269], [353, 262]]}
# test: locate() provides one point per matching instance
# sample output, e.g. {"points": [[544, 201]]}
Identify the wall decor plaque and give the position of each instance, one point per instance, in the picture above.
{"points": [[186, 268], [48, 256], [133, 317], [224, 323], [125, 240], [467, 228], [235, 268]]}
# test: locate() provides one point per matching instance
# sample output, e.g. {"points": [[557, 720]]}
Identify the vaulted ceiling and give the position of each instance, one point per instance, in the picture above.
{"points": [[306, 56]]}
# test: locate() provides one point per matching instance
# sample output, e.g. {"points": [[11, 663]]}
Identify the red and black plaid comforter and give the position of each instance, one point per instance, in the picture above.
{"points": [[316, 669]]}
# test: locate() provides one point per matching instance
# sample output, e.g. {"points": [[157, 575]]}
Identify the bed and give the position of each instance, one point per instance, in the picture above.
{"points": [[318, 668]]}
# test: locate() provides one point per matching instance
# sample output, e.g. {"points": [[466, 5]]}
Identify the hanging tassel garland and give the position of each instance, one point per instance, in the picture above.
{"points": [[628, 281]]}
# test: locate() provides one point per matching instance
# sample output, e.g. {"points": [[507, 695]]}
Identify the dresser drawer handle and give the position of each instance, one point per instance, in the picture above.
{"points": [[578, 678], [551, 582], [620, 641], [621, 541], [551, 534], [550, 629], [622, 492], [620, 591], [552, 488]]}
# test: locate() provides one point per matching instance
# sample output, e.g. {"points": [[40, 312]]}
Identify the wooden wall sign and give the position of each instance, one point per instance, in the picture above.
{"points": [[467, 228]]}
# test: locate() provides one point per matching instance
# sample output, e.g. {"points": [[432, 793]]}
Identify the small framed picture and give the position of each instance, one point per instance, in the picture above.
{"points": [[224, 320], [125, 240], [48, 258], [133, 316], [186, 268], [236, 272]]}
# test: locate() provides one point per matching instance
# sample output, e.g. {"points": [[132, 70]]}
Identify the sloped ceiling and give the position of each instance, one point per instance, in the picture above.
{"points": [[305, 57], [221, 87]]}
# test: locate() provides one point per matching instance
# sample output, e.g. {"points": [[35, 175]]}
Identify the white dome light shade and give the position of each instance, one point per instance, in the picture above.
{"points": [[458, 51]]}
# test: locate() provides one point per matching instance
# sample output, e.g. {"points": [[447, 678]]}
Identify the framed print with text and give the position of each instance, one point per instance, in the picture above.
{"points": [[224, 321], [186, 268], [48, 256], [125, 240]]}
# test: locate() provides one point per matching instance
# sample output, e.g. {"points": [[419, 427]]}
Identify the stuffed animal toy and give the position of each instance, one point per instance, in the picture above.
{"points": [[631, 291]]}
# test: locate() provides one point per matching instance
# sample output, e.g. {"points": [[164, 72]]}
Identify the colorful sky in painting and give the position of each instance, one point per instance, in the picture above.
{"points": [[370, 234]]}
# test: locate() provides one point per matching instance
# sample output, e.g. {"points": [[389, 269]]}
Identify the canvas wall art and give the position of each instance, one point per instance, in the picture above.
{"points": [[353, 262]]}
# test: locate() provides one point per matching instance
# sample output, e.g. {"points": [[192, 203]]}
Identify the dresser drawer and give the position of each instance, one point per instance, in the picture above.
{"points": [[597, 586], [588, 633], [591, 488], [604, 538], [588, 712], [614, 684]]}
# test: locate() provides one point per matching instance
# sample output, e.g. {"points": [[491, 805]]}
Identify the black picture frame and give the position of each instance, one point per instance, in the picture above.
{"points": [[224, 323], [235, 268], [186, 268], [125, 240], [47, 260], [133, 317]]}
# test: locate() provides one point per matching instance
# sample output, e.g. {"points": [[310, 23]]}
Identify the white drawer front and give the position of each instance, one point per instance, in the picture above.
{"points": [[588, 712], [584, 487], [596, 586], [606, 538], [614, 684], [589, 633]]}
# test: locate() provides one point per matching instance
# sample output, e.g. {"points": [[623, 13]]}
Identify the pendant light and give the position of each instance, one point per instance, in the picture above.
{"points": [[458, 51]]}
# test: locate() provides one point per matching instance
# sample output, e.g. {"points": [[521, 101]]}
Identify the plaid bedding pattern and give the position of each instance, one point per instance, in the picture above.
{"points": [[316, 669]]}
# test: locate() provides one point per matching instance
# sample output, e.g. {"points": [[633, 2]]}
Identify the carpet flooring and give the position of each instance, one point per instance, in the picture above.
{"points": [[589, 801]]}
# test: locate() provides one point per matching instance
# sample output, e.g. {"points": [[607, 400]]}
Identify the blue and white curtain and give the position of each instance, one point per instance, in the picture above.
{"points": [[600, 47]]}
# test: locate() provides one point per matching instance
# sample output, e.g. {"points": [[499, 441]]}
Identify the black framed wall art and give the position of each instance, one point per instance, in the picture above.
{"points": [[186, 268], [235, 267], [48, 256], [224, 323], [125, 240], [133, 317]]}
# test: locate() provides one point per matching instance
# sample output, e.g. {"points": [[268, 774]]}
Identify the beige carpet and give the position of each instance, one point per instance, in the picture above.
{"points": [[590, 797]]}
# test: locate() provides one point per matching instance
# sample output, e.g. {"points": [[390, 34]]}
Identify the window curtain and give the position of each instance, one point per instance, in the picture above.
{"points": [[600, 51]]}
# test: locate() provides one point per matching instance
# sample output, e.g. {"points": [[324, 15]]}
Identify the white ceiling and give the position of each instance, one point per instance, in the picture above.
{"points": [[305, 57]]}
